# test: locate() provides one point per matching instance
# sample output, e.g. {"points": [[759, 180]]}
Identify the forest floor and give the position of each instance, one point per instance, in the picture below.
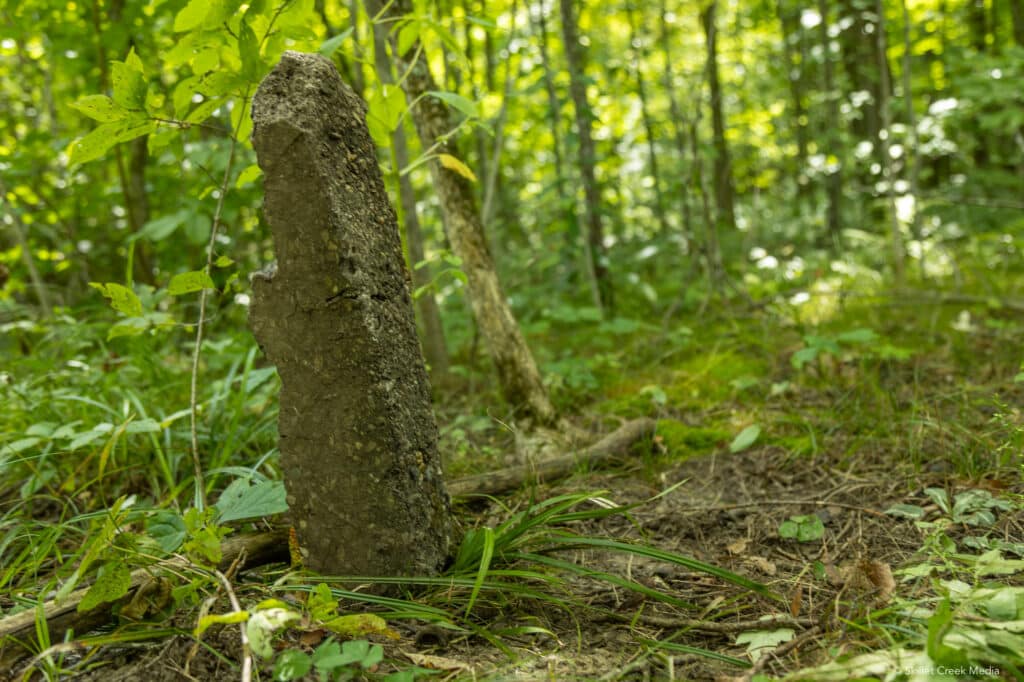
{"points": [[843, 439]]}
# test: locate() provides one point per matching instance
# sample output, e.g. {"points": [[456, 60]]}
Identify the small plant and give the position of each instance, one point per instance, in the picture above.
{"points": [[807, 528]]}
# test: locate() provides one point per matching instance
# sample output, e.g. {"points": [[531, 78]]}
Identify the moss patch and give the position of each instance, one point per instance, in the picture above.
{"points": [[682, 441]]}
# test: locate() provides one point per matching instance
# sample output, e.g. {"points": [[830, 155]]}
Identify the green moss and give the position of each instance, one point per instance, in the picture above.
{"points": [[711, 376], [683, 441]]}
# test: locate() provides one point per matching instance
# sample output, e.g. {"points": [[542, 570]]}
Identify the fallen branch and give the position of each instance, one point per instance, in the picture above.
{"points": [[608, 448], [18, 632]]}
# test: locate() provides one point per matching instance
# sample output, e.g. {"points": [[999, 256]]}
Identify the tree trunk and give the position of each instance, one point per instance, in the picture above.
{"points": [[434, 347], [517, 372], [357, 436], [723, 165], [911, 154], [790, 24], [566, 204], [833, 180], [896, 235], [678, 120], [1017, 15], [645, 113], [601, 288]]}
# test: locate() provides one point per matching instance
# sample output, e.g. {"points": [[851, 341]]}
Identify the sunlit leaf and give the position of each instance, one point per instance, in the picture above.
{"points": [[100, 108], [189, 282], [451, 163], [122, 299], [456, 101]]}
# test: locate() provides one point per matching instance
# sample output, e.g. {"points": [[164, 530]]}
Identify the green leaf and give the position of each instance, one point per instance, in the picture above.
{"points": [[100, 108], [330, 46], [361, 652], [102, 138], [223, 262], [188, 282], [262, 625], [328, 657], [456, 101], [291, 664], [407, 36], [249, 53], [128, 82], [242, 500], [906, 511], [167, 528], [807, 528], [163, 227], [122, 299], [112, 582], [360, 625], [385, 108], [321, 603], [191, 16], [248, 174], [745, 439], [861, 337], [803, 356]]}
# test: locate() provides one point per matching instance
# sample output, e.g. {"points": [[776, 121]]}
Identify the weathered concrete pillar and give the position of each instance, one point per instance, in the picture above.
{"points": [[358, 437]]}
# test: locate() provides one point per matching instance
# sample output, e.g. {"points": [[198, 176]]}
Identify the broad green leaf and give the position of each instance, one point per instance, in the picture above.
{"points": [[223, 262], [456, 101], [163, 227], [248, 174], [100, 108], [407, 36], [745, 439], [19, 445], [803, 356], [112, 582], [291, 664], [205, 109], [122, 299], [249, 52], [385, 108], [328, 656], [189, 282], [451, 163], [329, 46], [167, 528], [191, 16], [128, 83], [105, 136], [242, 500]]}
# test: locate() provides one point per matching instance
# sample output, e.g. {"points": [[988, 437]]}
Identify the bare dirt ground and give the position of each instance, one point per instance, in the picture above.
{"points": [[727, 513]]}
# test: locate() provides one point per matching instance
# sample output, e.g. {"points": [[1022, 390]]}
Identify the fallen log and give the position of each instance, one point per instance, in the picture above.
{"points": [[18, 632]]}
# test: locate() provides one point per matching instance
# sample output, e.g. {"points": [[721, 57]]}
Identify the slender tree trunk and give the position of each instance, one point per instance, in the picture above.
{"points": [[517, 372], [834, 179], [678, 120], [498, 125], [566, 204], [601, 287], [435, 349], [723, 165], [790, 23], [896, 245], [1017, 15], [358, 77], [645, 113], [911, 153]]}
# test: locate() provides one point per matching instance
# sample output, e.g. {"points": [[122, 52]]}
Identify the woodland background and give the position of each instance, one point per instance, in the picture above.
{"points": [[786, 229]]}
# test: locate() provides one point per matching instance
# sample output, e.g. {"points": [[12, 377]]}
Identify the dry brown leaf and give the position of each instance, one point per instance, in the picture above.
{"points": [[763, 565], [738, 547]]}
